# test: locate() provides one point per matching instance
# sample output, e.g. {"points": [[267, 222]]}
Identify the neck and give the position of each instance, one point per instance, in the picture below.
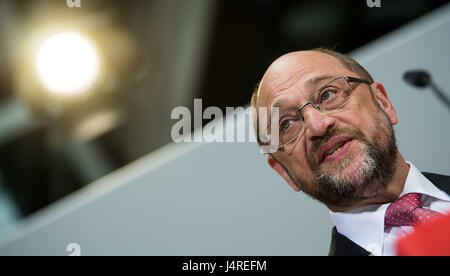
{"points": [[392, 191]]}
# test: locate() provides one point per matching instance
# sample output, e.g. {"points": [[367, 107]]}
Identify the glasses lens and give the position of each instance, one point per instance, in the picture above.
{"points": [[288, 128], [333, 95]]}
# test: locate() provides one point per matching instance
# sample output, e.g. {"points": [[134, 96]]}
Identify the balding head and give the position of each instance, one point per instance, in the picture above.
{"points": [[302, 60]]}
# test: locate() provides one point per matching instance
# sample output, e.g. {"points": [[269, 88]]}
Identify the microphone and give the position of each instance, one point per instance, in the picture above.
{"points": [[422, 79]]}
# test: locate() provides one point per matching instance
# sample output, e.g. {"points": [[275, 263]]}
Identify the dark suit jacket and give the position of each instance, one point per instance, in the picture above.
{"points": [[343, 246]]}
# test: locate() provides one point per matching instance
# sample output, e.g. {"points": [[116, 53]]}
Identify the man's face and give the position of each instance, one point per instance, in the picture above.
{"points": [[341, 157]]}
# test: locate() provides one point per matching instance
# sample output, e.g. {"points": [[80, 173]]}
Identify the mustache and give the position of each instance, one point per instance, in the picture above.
{"points": [[331, 133]]}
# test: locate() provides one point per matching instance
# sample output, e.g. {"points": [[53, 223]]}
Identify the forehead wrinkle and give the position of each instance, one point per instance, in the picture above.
{"points": [[278, 84], [311, 81], [281, 83], [286, 72]]}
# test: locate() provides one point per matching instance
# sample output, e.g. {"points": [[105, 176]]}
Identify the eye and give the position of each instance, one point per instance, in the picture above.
{"points": [[327, 95], [284, 126]]}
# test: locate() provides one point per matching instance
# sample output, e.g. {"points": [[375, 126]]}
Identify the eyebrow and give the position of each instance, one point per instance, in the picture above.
{"points": [[311, 81], [319, 78]]}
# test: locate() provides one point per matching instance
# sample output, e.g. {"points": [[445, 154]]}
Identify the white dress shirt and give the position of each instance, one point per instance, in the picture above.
{"points": [[365, 226]]}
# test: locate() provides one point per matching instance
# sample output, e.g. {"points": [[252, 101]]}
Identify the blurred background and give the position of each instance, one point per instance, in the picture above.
{"points": [[85, 91]]}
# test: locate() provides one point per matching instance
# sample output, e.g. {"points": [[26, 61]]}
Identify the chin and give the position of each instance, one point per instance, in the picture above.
{"points": [[351, 175], [354, 169]]}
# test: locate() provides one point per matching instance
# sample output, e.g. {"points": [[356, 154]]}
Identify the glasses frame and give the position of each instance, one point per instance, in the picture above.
{"points": [[309, 102]]}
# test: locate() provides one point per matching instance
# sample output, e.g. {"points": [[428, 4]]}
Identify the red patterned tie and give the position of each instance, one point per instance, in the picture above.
{"points": [[407, 211]]}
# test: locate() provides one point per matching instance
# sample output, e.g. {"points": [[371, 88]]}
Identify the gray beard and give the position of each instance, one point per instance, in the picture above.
{"points": [[376, 171]]}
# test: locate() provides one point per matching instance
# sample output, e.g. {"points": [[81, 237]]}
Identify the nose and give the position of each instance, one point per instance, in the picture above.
{"points": [[317, 123]]}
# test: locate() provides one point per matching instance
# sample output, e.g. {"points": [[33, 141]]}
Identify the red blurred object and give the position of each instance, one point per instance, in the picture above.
{"points": [[432, 239]]}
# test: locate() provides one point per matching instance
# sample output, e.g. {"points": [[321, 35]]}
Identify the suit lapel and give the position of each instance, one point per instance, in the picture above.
{"points": [[440, 181], [343, 246]]}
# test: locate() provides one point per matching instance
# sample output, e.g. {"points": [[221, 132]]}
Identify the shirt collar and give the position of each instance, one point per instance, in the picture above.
{"points": [[416, 182], [365, 226]]}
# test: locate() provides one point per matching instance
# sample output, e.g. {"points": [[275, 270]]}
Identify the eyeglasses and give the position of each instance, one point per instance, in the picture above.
{"points": [[329, 97]]}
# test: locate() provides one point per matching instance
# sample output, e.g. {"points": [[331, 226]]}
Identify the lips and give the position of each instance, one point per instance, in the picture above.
{"points": [[331, 146]]}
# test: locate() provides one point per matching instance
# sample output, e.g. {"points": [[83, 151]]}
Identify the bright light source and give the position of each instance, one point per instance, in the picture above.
{"points": [[67, 64]]}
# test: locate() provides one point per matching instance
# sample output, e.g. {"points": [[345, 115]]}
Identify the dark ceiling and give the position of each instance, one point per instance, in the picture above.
{"points": [[249, 34]]}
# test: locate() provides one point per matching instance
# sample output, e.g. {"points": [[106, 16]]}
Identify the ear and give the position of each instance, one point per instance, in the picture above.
{"points": [[282, 172], [383, 100]]}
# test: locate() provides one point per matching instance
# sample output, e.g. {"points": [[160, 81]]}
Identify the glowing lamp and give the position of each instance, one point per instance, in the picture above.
{"points": [[67, 64]]}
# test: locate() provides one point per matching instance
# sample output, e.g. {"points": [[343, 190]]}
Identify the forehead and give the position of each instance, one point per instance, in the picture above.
{"points": [[297, 72]]}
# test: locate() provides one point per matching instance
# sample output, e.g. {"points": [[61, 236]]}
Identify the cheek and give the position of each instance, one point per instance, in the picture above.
{"points": [[362, 118], [297, 163], [361, 121], [366, 115]]}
